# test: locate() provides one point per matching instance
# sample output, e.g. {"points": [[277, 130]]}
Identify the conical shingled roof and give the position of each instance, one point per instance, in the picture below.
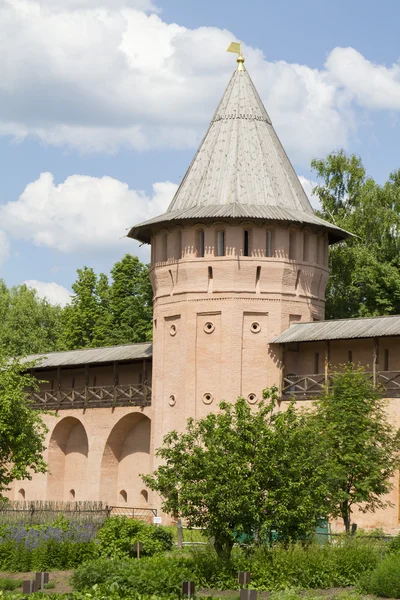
{"points": [[239, 170]]}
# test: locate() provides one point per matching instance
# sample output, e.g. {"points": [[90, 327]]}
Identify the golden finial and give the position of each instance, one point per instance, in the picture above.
{"points": [[236, 47]]}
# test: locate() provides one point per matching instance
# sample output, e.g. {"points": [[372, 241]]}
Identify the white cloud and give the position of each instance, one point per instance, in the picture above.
{"points": [[97, 79], [308, 186], [372, 85], [63, 5], [51, 291], [4, 247], [81, 213]]}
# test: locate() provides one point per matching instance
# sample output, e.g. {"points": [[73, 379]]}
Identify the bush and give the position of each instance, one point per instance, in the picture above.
{"points": [[118, 534], [384, 580], [158, 575], [9, 584]]}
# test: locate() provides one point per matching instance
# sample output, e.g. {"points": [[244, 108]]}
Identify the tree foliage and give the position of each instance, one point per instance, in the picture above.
{"points": [[29, 324], [359, 445], [242, 470], [365, 273], [22, 431]]}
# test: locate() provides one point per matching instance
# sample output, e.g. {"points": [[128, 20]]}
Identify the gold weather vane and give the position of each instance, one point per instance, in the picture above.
{"points": [[236, 47]]}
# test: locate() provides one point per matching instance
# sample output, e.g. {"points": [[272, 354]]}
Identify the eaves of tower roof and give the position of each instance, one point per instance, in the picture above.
{"points": [[240, 170]]}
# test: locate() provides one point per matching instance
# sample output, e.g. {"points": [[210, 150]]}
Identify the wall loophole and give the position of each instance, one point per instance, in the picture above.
{"points": [[209, 327], [252, 398], [255, 327], [208, 398], [173, 330], [172, 400]]}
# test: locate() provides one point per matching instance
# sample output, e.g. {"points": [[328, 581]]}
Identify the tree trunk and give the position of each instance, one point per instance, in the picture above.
{"points": [[223, 547], [346, 516]]}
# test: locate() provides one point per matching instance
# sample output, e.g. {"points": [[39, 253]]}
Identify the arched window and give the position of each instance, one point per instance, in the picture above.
{"points": [[221, 243], [179, 245], [72, 495], [268, 243], [292, 244], [145, 495], [123, 496], [306, 247], [200, 243], [246, 242], [164, 247], [21, 494]]}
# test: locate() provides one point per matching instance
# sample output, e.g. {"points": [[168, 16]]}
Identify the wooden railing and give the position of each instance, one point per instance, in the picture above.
{"points": [[133, 394], [308, 386]]}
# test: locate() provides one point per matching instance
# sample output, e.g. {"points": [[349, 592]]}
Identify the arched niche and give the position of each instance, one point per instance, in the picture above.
{"points": [[68, 455], [126, 455]]}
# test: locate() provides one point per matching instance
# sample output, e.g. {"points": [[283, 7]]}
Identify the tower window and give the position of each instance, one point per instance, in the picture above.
{"points": [[350, 357], [123, 496], [200, 243], [179, 245], [292, 244], [268, 245], [306, 245], [164, 251], [221, 243], [246, 243], [72, 495]]}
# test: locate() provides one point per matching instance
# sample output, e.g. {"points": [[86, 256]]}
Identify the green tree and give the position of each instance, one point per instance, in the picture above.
{"points": [[242, 470], [131, 301], [29, 324], [22, 431], [362, 449], [365, 270]]}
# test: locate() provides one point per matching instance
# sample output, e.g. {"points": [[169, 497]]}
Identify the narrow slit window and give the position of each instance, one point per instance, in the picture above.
{"points": [[200, 243], [292, 245], [350, 356], [179, 245], [246, 243], [164, 247], [220, 243], [316, 363], [268, 246], [386, 360], [306, 244], [258, 275]]}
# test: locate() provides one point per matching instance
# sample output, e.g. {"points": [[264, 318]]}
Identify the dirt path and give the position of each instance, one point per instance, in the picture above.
{"points": [[61, 579]]}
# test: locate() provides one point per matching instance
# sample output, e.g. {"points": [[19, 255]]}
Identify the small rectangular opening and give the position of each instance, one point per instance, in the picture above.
{"points": [[316, 362], [350, 357], [220, 243], [386, 360], [268, 247], [305, 247], [292, 245], [246, 243], [200, 243]]}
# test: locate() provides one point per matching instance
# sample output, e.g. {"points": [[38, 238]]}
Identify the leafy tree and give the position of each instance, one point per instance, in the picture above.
{"points": [[29, 324], [104, 314], [365, 271], [242, 470], [131, 301], [22, 431], [362, 449]]}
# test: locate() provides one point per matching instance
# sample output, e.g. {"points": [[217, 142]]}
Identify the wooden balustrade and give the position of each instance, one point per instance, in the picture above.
{"points": [[133, 394], [309, 386]]}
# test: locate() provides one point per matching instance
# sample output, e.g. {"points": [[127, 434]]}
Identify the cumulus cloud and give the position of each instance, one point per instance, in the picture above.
{"points": [[4, 247], [96, 78], [308, 186], [81, 213], [51, 291], [372, 85]]}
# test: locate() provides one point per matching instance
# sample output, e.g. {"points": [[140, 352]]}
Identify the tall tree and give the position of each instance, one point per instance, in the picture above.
{"points": [[22, 431], [81, 316], [242, 470], [365, 270], [131, 301], [361, 447], [29, 324]]}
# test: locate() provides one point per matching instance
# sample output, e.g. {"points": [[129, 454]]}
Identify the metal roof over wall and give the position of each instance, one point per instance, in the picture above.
{"points": [[340, 329], [89, 356]]}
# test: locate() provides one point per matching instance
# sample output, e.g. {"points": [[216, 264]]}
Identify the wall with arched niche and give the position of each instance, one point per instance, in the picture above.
{"points": [[67, 461], [126, 456]]}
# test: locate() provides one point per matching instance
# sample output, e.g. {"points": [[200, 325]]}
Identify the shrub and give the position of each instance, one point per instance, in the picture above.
{"points": [[118, 534], [384, 580], [9, 584], [160, 575]]}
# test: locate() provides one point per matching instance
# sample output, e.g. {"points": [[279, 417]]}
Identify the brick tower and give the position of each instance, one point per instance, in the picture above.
{"points": [[236, 258]]}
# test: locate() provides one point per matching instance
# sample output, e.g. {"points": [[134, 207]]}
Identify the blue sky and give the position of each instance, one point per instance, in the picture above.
{"points": [[103, 103]]}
